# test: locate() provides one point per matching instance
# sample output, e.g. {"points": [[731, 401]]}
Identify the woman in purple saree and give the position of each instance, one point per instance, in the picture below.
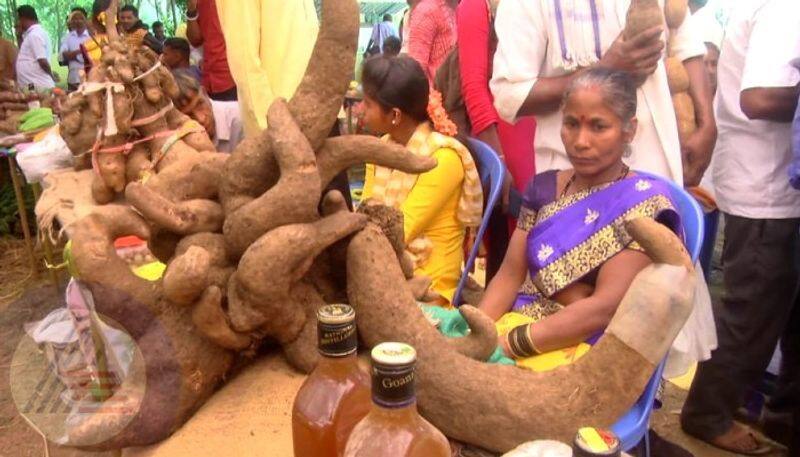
{"points": [[571, 258]]}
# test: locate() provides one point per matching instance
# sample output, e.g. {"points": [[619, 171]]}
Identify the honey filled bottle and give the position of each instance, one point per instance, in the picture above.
{"points": [[393, 427], [336, 395]]}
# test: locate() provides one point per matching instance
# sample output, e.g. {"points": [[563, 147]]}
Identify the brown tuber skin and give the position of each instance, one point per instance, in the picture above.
{"points": [[597, 389], [226, 292]]}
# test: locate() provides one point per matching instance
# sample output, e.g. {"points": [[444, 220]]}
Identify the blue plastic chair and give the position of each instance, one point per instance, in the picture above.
{"points": [[492, 171], [633, 426]]}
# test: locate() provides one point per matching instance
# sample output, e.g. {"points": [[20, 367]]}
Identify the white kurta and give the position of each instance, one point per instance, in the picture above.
{"points": [[751, 157], [528, 37]]}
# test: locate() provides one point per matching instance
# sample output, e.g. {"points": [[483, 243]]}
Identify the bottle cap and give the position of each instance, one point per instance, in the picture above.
{"points": [[336, 330], [336, 314], [590, 442], [393, 375], [392, 354]]}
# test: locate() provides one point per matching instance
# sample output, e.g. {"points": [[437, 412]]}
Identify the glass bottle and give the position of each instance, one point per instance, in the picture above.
{"points": [[393, 427], [335, 396]]}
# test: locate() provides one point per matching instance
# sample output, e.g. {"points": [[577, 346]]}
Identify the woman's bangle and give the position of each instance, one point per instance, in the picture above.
{"points": [[520, 342], [192, 15]]}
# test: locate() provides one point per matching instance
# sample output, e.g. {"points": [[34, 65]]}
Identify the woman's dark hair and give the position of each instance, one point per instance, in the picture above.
{"points": [[99, 6], [397, 82]]}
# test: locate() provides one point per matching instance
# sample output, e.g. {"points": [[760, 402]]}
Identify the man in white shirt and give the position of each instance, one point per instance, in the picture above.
{"points": [[33, 60], [757, 94], [544, 44], [71, 48]]}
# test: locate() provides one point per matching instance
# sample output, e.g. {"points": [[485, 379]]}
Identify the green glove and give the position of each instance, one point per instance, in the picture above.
{"points": [[453, 325]]}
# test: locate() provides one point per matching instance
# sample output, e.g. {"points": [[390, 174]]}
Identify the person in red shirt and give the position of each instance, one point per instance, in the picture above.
{"points": [[432, 33], [204, 29], [477, 43]]}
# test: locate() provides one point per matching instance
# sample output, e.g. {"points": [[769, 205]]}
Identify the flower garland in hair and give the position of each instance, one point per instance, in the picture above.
{"points": [[441, 121]]}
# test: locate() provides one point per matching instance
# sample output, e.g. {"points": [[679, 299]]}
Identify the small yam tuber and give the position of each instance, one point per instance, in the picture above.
{"points": [[642, 15], [684, 114], [677, 76], [675, 12]]}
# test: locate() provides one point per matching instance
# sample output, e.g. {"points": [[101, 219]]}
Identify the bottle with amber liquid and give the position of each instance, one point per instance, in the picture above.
{"points": [[336, 395], [393, 427]]}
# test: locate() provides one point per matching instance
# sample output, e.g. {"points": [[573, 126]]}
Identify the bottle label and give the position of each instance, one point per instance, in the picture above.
{"points": [[337, 340], [393, 386]]}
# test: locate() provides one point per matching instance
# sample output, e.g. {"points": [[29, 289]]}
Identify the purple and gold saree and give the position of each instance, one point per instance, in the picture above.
{"points": [[569, 238]]}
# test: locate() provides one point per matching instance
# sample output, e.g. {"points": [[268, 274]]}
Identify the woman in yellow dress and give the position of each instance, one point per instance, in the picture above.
{"points": [[438, 206]]}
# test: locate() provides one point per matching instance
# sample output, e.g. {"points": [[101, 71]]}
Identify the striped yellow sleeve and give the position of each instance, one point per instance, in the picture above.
{"points": [[369, 179]]}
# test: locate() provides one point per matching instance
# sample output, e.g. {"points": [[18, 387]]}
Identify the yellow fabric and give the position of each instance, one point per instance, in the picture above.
{"points": [[134, 39], [94, 46], [180, 30], [434, 231], [269, 43], [542, 362], [392, 187]]}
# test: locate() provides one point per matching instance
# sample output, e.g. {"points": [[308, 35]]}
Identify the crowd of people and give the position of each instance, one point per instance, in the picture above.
{"points": [[583, 118], [30, 66], [577, 111]]}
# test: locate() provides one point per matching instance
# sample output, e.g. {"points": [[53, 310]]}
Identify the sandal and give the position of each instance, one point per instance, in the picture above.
{"points": [[742, 440]]}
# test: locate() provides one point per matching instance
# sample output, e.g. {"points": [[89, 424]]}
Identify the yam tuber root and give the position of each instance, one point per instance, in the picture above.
{"points": [[597, 389]]}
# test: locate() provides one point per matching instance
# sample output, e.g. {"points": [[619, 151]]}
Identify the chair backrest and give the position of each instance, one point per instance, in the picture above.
{"points": [[692, 216], [492, 171], [632, 427]]}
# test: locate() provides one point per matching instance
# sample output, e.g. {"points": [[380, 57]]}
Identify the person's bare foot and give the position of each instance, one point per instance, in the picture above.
{"points": [[741, 439]]}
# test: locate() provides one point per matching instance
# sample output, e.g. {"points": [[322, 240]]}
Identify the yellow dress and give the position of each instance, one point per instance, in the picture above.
{"points": [[269, 43], [431, 210]]}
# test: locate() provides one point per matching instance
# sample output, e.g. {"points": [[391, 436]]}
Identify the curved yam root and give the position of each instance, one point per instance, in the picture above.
{"points": [[419, 286], [333, 203], [186, 276], [96, 259], [167, 83], [293, 199], [210, 319], [111, 167], [137, 164], [302, 353], [182, 367], [196, 176], [659, 242], [249, 172], [597, 389], [318, 98], [270, 267], [389, 220], [245, 318], [150, 87], [101, 193], [340, 153], [220, 268], [482, 340], [187, 217]]}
